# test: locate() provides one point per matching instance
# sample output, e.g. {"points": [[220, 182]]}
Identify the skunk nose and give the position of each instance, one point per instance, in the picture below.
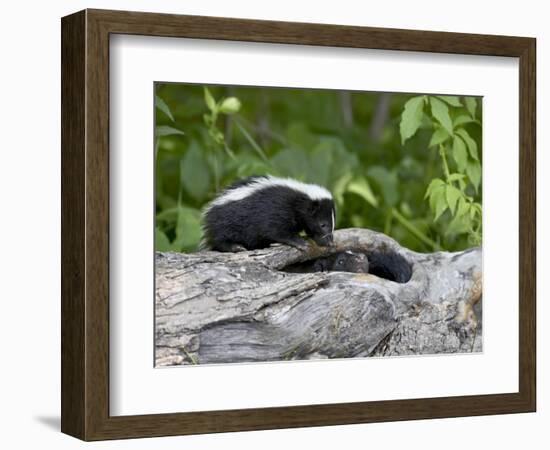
{"points": [[324, 240]]}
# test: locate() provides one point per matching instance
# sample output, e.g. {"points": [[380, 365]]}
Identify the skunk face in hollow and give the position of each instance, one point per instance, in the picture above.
{"points": [[258, 211], [319, 221]]}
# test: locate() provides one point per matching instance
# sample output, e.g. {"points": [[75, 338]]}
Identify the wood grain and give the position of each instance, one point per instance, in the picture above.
{"points": [[85, 223], [73, 269], [200, 316]]}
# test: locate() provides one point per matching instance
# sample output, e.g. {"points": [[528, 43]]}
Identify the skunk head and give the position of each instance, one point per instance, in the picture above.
{"points": [[349, 261], [319, 220]]}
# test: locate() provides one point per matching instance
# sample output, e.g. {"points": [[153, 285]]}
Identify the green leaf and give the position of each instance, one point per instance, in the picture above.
{"points": [[473, 213], [321, 164], [361, 187], [452, 195], [169, 215], [451, 100], [411, 117], [230, 105], [471, 106], [209, 100], [434, 184], [162, 244], [474, 173], [456, 177], [472, 146], [440, 207], [434, 193], [188, 229], [166, 130], [195, 174], [463, 207], [459, 225], [439, 136], [460, 154], [438, 202], [340, 187], [441, 113], [388, 183], [161, 104], [334, 152], [461, 120], [291, 162]]}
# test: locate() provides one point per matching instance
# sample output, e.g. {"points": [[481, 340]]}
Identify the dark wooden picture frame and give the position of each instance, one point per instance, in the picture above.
{"points": [[85, 224]]}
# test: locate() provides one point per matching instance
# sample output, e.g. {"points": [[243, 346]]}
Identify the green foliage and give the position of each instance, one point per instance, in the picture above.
{"points": [[417, 178], [458, 192], [412, 117]]}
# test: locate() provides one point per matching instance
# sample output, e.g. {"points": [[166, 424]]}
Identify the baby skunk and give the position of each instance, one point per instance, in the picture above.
{"points": [[257, 211], [384, 264], [389, 265], [346, 261]]}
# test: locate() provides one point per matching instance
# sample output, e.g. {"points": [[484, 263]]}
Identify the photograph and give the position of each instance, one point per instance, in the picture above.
{"points": [[308, 224], [271, 224]]}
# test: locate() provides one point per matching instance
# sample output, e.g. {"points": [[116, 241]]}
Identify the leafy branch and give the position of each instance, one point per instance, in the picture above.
{"points": [[458, 191]]}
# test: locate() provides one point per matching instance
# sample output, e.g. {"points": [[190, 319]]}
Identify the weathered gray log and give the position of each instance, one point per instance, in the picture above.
{"points": [[234, 307]]}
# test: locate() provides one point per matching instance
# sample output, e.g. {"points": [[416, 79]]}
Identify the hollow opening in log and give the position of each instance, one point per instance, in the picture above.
{"points": [[385, 264]]}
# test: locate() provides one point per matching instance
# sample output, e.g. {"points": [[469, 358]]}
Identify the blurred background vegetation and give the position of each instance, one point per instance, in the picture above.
{"points": [[405, 165]]}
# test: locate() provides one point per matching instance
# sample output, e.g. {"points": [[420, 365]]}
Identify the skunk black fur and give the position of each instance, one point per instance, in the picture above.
{"points": [[346, 261], [389, 265], [384, 264], [258, 211]]}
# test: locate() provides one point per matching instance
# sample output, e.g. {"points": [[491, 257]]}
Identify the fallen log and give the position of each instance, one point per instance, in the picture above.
{"points": [[216, 307]]}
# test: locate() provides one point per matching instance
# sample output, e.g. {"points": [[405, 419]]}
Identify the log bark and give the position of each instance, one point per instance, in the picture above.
{"points": [[242, 307]]}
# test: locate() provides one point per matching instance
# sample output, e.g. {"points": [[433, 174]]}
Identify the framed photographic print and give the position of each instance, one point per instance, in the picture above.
{"points": [[270, 224]]}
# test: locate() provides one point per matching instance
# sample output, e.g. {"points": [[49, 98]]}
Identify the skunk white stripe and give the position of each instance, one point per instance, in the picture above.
{"points": [[313, 191], [333, 221]]}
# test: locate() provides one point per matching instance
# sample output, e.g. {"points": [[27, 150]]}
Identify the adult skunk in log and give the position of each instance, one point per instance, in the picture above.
{"points": [[258, 211]]}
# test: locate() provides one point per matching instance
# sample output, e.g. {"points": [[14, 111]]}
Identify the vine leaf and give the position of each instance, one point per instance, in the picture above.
{"points": [[438, 202], [459, 224], [471, 106], [452, 195], [439, 136], [166, 130], [441, 112], [460, 154], [451, 100], [434, 184], [161, 104], [473, 170], [472, 146], [463, 207], [461, 119], [411, 117], [456, 177]]}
